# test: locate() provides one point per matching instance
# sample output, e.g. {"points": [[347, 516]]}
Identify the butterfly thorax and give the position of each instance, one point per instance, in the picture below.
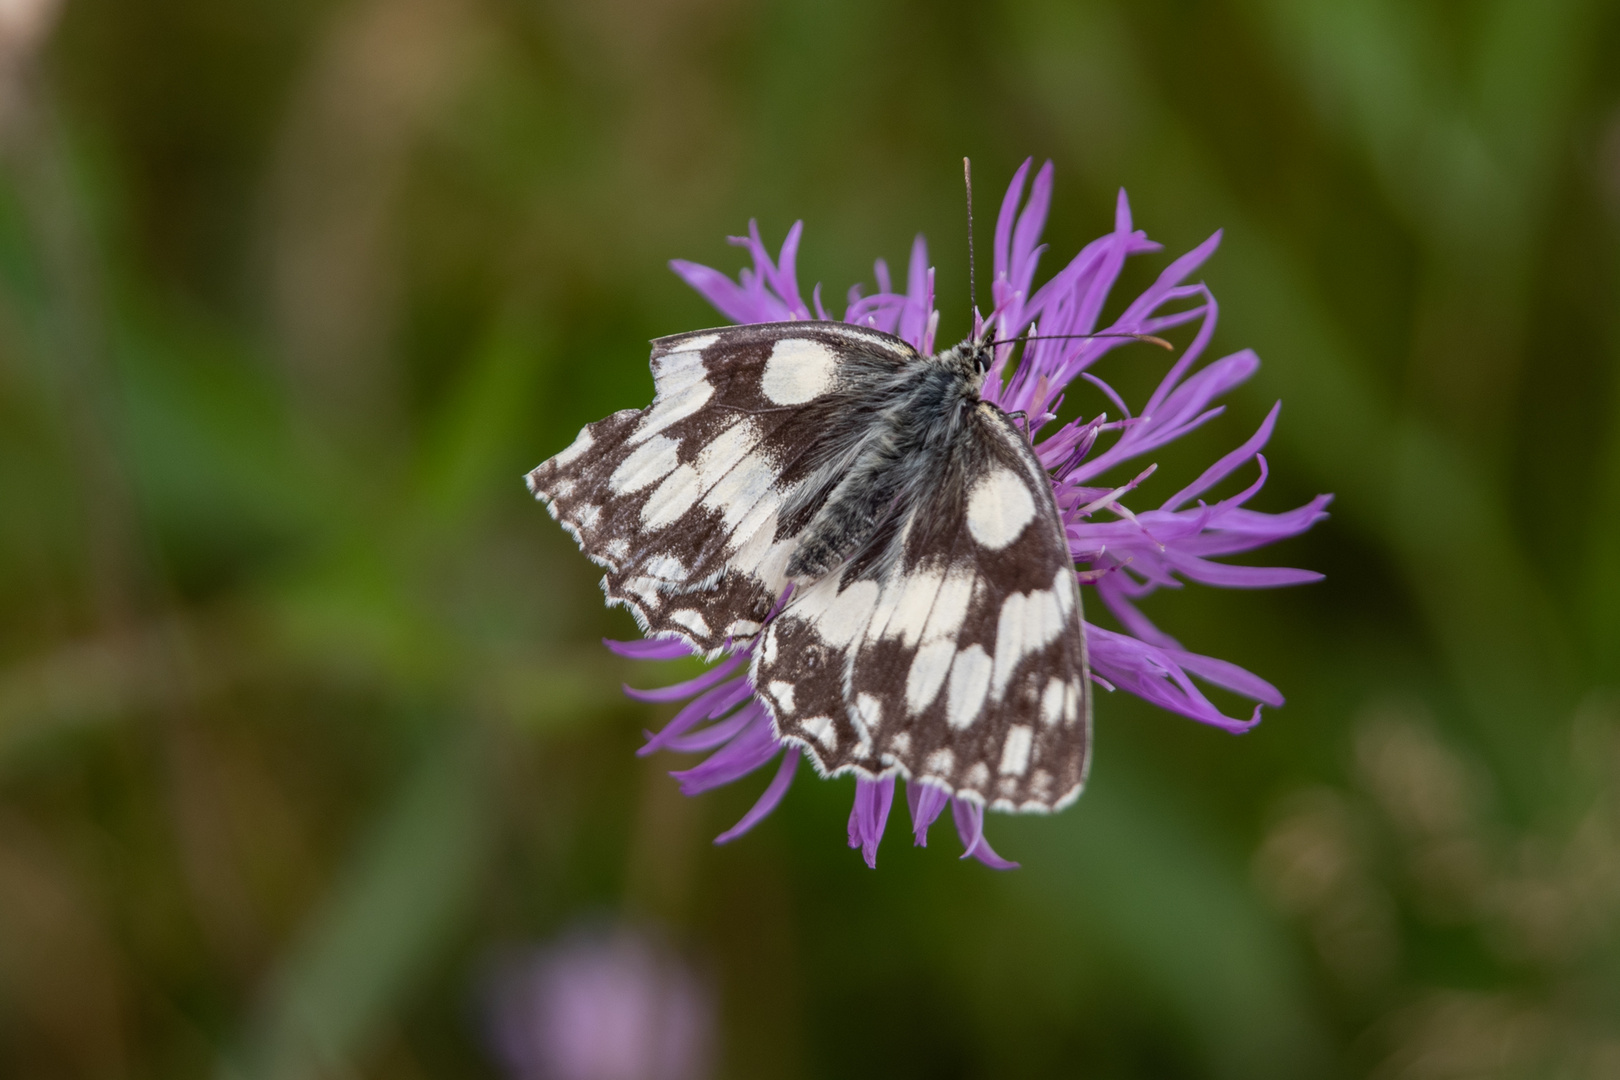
{"points": [[920, 415]]}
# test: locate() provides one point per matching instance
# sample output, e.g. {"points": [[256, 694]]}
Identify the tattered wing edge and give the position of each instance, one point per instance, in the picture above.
{"points": [[896, 769], [637, 613]]}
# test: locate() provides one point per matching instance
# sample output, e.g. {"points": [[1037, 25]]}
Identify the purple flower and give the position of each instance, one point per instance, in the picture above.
{"points": [[1126, 554], [596, 1007]]}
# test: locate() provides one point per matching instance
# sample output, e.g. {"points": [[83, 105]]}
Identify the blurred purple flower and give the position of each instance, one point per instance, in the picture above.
{"points": [[601, 1007], [1125, 555]]}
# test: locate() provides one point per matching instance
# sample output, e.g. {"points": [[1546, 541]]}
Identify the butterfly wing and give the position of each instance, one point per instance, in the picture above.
{"points": [[962, 662], [686, 503]]}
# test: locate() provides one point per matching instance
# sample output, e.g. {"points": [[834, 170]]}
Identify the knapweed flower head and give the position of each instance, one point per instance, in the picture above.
{"points": [[1097, 467], [600, 1006]]}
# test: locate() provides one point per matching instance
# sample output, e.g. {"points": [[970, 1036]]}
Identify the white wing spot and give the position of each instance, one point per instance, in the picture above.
{"points": [[645, 588], [900, 745], [647, 464], [928, 670], [692, 620], [753, 542], [950, 604], [575, 450], [970, 681], [1015, 751], [667, 567], [1027, 624], [1063, 587], [1041, 785], [978, 777], [736, 494], [676, 370], [725, 450], [798, 371], [694, 344], [585, 515], [676, 401], [821, 729], [674, 497], [999, 507], [868, 714], [879, 340], [742, 628], [1052, 701], [839, 617], [940, 763], [782, 693], [911, 597]]}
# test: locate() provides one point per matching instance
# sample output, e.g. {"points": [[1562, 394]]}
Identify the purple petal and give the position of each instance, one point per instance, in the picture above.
{"points": [[1168, 286], [969, 819], [753, 746], [705, 706], [649, 648], [1219, 471], [691, 686], [1228, 676], [707, 738], [1004, 222], [1156, 675], [1228, 576], [768, 801], [736, 303], [1262, 528], [1130, 616], [870, 815], [784, 277], [1113, 395], [919, 296], [1027, 234], [925, 801]]}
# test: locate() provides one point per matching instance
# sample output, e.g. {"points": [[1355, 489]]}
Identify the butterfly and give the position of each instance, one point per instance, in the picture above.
{"points": [[884, 540]]}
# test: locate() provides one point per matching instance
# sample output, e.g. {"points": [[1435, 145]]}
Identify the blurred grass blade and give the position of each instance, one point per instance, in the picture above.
{"points": [[1145, 882], [377, 933], [474, 449]]}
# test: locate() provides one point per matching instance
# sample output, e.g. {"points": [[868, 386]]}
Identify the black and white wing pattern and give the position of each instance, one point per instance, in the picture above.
{"points": [[962, 663], [934, 624], [682, 502]]}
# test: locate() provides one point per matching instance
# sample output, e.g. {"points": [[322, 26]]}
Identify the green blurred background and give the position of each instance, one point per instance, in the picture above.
{"points": [[302, 715]]}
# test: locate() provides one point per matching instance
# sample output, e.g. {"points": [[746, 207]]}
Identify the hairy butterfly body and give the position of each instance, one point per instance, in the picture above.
{"points": [[933, 623]]}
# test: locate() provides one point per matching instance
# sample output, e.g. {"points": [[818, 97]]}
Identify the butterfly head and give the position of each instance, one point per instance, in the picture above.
{"points": [[971, 359]]}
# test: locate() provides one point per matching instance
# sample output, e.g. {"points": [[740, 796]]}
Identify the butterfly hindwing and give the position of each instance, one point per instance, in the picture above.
{"points": [[962, 662], [682, 502]]}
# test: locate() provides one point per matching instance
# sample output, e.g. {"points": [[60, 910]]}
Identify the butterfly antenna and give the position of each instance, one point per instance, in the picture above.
{"points": [[967, 180], [1148, 338]]}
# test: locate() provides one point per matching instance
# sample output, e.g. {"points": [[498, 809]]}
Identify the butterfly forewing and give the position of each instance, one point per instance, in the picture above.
{"points": [[681, 502]]}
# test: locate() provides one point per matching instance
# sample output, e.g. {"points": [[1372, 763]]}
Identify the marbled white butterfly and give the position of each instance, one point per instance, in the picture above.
{"points": [[885, 540]]}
